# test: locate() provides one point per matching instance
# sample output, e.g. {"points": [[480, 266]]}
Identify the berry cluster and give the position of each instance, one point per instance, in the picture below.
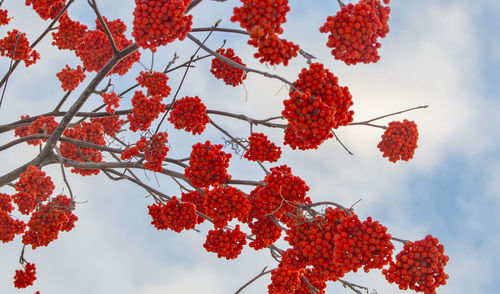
{"points": [[274, 50], [70, 78], [223, 203], [174, 215], [18, 43], [282, 193], [419, 266], [399, 140], [284, 280], [230, 75], [47, 9], [112, 100], [207, 165], [42, 125], [154, 149], [159, 22], [110, 124], [354, 31], [226, 243], [265, 232], [144, 111], [33, 188], [69, 33], [4, 17], [6, 203], [155, 82], [50, 219], [189, 114], [198, 200], [26, 277], [314, 278], [95, 49], [261, 149], [9, 227], [320, 106], [87, 132]]}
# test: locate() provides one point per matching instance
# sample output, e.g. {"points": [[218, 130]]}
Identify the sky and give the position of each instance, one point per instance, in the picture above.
{"points": [[438, 53]]}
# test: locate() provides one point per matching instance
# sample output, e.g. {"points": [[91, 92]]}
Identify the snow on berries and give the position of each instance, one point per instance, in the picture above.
{"points": [[399, 140], [71, 78], [144, 111], [226, 243], [26, 277], [189, 114], [174, 215], [355, 29], [17, 42], [229, 74], [262, 149], [155, 82], [318, 106], [159, 22], [419, 266], [207, 165]]}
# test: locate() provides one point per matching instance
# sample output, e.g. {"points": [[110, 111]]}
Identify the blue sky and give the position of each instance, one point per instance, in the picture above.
{"points": [[441, 53]]}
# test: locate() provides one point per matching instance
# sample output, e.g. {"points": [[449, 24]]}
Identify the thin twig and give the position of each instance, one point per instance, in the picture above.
{"points": [[262, 273]]}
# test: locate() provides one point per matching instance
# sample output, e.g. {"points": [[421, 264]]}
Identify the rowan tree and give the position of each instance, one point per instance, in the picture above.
{"points": [[129, 132]]}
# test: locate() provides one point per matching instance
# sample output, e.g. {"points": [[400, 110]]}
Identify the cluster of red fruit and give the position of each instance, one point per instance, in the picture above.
{"points": [[42, 125], [399, 140], [207, 165], [159, 22], [112, 100], [229, 74], [261, 148], [154, 149], [265, 232], [317, 106], [155, 82], [71, 78], [26, 277], [144, 111], [198, 199], [174, 215], [263, 19], [111, 125], [224, 203], [16, 46], [226, 243], [354, 31], [69, 33], [419, 266], [95, 50], [189, 114], [87, 132], [47, 9], [33, 188], [4, 17]]}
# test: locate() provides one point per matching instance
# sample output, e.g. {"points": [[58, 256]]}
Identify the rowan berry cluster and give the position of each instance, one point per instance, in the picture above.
{"points": [[95, 49], [42, 125], [174, 215], [112, 100], [4, 17], [226, 243], [355, 29], [87, 132], [33, 188], [282, 193], [284, 280], [9, 227], [229, 74], [6, 203], [318, 106], [154, 149], [71, 78], [22, 131], [26, 277], [69, 33], [198, 200], [47, 9], [110, 124], [144, 111], [265, 232], [155, 82], [224, 203], [207, 165], [159, 22], [262, 149], [263, 19], [50, 219], [313, 276], [17, 42], [189, 114], [419, 266], [399, 140]]}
